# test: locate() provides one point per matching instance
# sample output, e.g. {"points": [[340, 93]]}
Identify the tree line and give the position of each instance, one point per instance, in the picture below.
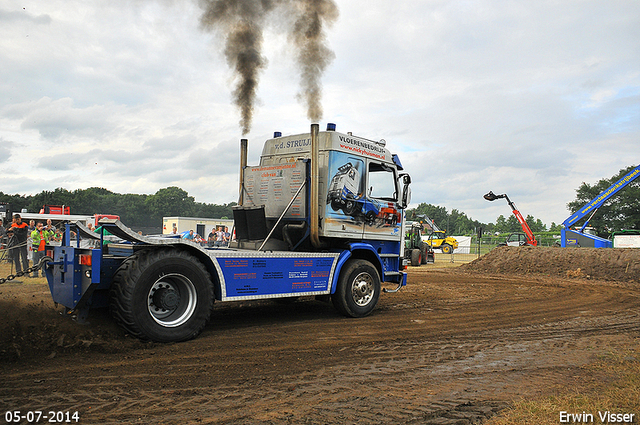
{"points": [[134, 210], [621, 211], [457, 223]]}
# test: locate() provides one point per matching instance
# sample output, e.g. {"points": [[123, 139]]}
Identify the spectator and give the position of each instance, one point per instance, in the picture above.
{"points": [[227, 236], [211, 239], [3, 238], [39, 239], [189, 236], [18, 243], [3, 232], [50, 227], [31, 228], [219, 237]]}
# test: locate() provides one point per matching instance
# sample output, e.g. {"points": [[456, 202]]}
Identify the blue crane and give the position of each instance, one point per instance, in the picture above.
{"points": [[571, 237]]}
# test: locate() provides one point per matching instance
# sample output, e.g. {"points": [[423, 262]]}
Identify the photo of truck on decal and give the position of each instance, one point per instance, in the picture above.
{"points": [[345, 194], [344, 189]]}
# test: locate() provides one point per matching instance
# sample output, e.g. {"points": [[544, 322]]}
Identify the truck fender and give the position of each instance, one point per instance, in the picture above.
{"points": [[209, 262], [357, 250]]}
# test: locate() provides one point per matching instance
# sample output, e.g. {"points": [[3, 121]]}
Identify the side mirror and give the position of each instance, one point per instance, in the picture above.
{"points": [[406, 191], [406, 197]]}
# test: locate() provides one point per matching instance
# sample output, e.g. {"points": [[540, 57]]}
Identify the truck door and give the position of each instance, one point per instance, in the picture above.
{"points": [[382, 218], [344, 217]]}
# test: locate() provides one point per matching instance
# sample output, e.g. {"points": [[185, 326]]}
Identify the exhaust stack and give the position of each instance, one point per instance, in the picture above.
{"points": [[243, 164], [315, 185]]}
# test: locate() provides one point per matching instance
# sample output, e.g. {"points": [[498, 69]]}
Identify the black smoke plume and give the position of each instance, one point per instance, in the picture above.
{"points": [[242, 22], [312, 54]]}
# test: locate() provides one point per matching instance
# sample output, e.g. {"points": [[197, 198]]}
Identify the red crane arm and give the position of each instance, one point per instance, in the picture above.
{"points": [[531, 240]]}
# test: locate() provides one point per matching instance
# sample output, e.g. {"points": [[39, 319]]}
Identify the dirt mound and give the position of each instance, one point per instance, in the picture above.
{"points": [[32, 326], [615, 264]]}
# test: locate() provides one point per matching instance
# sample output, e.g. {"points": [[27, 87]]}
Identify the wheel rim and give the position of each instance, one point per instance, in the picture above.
{"points": [[362, 289], [172, 300], [350, 207]]}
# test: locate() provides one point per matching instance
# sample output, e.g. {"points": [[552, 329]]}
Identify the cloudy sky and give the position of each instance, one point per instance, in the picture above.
{"points": [[528, 98]]}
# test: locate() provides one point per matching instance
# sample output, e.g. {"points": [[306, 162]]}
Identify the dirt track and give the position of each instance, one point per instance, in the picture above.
{"points": [[454, 346]]}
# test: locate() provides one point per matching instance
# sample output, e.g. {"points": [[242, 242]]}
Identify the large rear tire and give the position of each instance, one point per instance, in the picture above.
{"points": [[416, 257], [423, 253], [358, 289], [163, 295]]}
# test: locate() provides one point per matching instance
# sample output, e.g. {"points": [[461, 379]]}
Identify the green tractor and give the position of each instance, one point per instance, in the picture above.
{"points": [[416, 252]]}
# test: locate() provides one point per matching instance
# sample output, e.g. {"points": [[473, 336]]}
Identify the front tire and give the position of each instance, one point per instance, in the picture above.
{"points": [[350, 207], [446, 248], [358, 289], [162, 295]]}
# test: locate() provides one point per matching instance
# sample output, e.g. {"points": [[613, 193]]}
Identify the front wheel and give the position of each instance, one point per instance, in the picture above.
{"points": [[446, 248], [358, 289], [162, 295], [350, 207]]}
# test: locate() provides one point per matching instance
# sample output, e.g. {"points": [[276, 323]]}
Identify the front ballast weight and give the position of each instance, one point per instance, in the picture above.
{"points": [[340, 237]]}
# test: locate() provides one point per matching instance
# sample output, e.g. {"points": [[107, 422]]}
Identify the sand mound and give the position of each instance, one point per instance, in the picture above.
{"points": [[614, 264]]}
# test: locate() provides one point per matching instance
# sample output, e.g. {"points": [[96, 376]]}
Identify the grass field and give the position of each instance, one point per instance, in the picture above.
{"points": [[614, 388]]}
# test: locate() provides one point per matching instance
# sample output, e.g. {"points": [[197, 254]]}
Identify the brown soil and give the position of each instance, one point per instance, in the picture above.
{"points": [[453, 347], [619, 265]]}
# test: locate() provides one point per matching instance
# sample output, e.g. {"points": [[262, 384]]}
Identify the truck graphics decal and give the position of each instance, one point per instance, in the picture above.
{"points": [[273, 186], [363, 151], [348, 208], [296, 145], [287, 275], [362, 147]]}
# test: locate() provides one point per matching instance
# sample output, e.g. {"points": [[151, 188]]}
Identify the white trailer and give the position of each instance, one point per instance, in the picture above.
{"points": [[201, 226]]}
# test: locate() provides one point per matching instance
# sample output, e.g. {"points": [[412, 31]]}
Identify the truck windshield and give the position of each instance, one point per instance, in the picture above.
{"points": [[382, 182]]}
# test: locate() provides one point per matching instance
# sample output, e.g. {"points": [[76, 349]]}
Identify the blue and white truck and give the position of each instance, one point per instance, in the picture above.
{"points": [[289, 243]]}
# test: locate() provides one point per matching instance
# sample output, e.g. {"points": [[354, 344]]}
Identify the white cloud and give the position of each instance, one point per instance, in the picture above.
{"points": [[528, 99]]}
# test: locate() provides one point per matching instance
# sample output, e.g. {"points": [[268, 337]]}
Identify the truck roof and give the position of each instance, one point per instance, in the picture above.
{"points": [[290, 148]]}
